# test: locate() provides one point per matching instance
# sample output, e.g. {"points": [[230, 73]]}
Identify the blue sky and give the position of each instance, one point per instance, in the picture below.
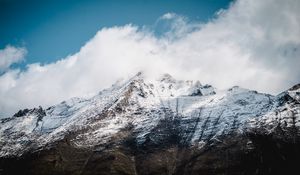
{"points": [[53, 29]]}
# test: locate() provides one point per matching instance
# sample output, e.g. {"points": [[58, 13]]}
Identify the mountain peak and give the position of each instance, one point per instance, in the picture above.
{"points": [[167, 78]]}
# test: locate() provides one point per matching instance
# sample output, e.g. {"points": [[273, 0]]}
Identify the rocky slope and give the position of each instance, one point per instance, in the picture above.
{"points": [[166, 126]]}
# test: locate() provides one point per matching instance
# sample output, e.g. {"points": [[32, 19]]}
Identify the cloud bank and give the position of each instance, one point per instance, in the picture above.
{"points": [[254, 44], [10, 55]]}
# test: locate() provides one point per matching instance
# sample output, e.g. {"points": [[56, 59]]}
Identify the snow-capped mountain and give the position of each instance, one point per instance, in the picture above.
{"points": [[148, 115]]}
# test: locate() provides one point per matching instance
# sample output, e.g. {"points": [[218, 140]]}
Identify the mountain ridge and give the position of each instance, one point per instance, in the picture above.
{"points": [[152, 115]]}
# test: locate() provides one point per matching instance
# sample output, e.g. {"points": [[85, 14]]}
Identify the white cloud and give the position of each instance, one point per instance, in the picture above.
{"points": [[168, 16], [254, 44], [10, 55]]}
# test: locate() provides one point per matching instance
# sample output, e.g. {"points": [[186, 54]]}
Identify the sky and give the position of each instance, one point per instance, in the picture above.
{"points": [[54, 50], [53, 29]]}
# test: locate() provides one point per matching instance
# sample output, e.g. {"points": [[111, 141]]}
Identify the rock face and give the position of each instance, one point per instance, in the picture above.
{"points": [[163, 126]]}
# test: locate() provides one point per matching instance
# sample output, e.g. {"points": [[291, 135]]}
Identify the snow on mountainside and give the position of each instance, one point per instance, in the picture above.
{"points": [[201, 112]]}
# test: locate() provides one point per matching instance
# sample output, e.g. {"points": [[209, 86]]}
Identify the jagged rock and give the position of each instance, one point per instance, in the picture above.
{"points": [[21, 113]]}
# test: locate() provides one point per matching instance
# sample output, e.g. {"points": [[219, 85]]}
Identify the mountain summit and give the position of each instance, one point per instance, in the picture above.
{"points": [[163, 126]]}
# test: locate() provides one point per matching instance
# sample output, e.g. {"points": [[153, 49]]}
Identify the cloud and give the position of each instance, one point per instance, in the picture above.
{"points": [[10, 55], [254, 44], [169, 16], [172, 26]]}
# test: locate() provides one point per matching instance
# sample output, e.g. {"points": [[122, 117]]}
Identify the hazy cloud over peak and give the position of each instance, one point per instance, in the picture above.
{"points": [[254, 44]]}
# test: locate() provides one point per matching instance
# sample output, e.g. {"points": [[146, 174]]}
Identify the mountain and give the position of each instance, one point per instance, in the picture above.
{"points": [[163, 126]]}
